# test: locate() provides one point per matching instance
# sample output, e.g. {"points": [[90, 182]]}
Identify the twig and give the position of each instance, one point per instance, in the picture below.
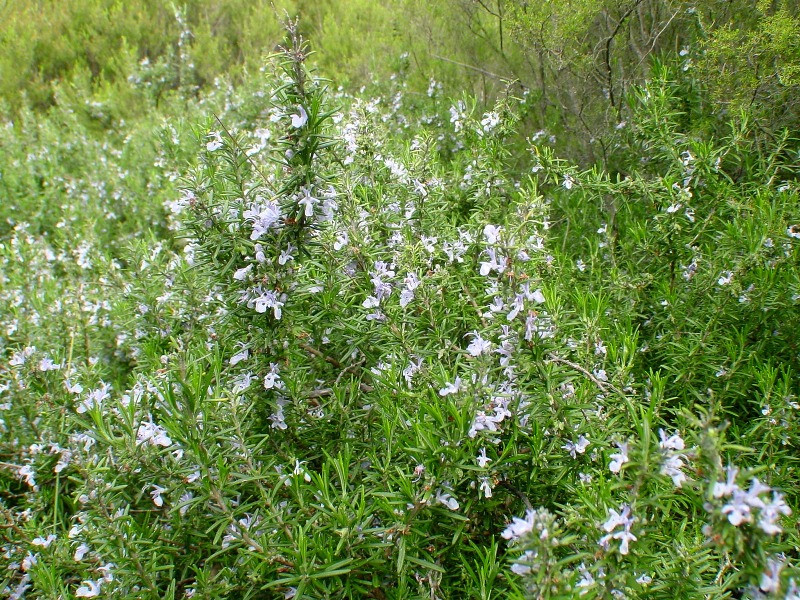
{"points": [[318, 354], [656, 37], [478, 69], [246, 156], [351, 369], [608, 50], [321, 393], [474, 304], [601, 384], [518, 493]]}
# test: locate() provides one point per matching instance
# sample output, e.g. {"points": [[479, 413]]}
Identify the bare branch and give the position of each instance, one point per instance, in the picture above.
{"points": [[477, 69], [604, 386]]}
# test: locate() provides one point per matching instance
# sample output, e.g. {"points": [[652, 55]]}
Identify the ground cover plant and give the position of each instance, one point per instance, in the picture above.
{"points": [[278, 340]]}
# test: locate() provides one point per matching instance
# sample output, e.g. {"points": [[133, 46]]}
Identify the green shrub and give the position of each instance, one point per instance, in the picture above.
{"points": [[367, 347]]}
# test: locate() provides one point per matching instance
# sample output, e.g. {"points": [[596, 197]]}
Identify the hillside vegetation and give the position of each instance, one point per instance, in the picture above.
{"points": [[450, 300]]}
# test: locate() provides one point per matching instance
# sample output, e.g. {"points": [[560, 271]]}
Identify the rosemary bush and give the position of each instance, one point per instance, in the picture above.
{"points": [[367, 354]]}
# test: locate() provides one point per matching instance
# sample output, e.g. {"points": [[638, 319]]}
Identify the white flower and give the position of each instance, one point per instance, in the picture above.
{"points": [[106, 571], [412, 369], [792, 591], [492, 234], [586, 581], [94, 398], [478, 345], [89, 589], [523, 565], [47, 364], [272, 379], [264, 214], [241, 274], [185, 501], [300, 470], [154, 434], [616, 519], [490, 121], [771, 577], [370, 302], [308, 201], [725, 278], [44, 542], [495, 263], [568, 182], [756, 489], [517, 306], [672, 468], [243, 354], [17, 359], [73, 388], [81, 551], [519, 527], [446, 499], [721, 489], [29, 561], [214, 144], [575, 448], [300, 118], [29, 475], [537, 296], [242, 382], [673, 459], [412, 282], [771, 512], [457, 115], [342, 239], [156, 495], [738, 510], [619, 458], [486, 487], [451, 388], [482, 459], [286, 254]]}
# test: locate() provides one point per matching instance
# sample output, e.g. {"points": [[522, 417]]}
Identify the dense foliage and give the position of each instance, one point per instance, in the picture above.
{"points": [[275, 339]]}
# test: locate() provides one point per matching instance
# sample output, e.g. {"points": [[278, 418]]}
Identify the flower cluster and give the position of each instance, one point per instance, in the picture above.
{"points": [[740, 506], [618, 519]]}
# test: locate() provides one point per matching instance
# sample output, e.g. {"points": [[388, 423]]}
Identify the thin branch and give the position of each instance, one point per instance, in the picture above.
{"points": [[478, 69], [608, 49], [318, 354], [518, 493], [604, 386], [474, 304], [247, 157], [657, 36], [487, 9], [323, 392]]}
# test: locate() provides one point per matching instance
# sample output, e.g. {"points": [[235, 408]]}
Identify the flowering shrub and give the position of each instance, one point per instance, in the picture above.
{"points": [[370, 356]]}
